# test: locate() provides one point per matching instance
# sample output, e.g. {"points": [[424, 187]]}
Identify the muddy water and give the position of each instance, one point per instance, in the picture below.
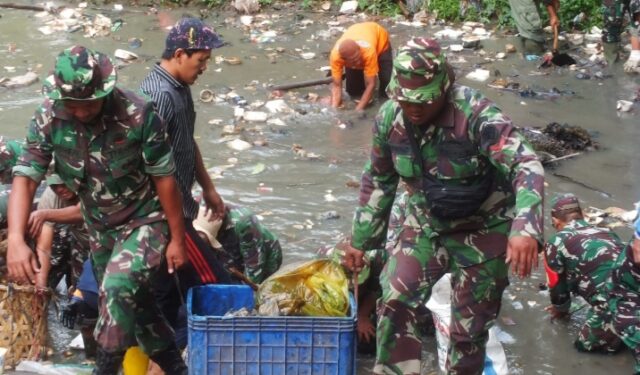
{"points": [[303, 189]]}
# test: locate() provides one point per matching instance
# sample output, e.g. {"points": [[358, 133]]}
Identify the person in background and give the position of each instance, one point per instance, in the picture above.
{"points": [[10, 150], [526, 16], [613, 13], [579, 259], [362, 52]]}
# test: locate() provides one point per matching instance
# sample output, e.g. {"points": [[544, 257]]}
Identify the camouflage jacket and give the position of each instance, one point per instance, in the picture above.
{"points": [[10, 150], [248, 245], [624, 284], [579, 259], [108, 163], [467, 116]]}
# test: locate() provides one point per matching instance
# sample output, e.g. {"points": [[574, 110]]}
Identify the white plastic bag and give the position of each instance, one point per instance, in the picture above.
{"points": [[495, 362]]}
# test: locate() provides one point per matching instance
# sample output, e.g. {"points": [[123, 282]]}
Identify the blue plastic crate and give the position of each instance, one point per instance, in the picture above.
{"points": [[258, 345]]}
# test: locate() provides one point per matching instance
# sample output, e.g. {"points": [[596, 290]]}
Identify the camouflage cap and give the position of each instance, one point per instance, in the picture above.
{"points": [[54, 179], [80, 74], [191, 33], [564, 202], [421, 72]]}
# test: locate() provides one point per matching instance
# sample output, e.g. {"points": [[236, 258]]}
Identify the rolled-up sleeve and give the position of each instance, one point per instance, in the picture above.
{"points": [[156, 150]]}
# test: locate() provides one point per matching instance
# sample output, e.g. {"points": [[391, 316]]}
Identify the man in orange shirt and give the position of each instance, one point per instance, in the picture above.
{"points": [[364, 52]]}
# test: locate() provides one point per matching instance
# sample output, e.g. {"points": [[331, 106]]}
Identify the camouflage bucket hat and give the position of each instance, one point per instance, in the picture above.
{"points": [[80, 74], [564, 202], [191, 33], [421, 72]]}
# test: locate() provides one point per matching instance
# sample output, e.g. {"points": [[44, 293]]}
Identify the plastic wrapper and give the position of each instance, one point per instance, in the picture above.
{"points": [[310, 288]]}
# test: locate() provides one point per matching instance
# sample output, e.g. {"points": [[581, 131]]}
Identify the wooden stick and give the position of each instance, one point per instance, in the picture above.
{"points": [[20, 6], [297, 85], [562, 157], [243, 278]]}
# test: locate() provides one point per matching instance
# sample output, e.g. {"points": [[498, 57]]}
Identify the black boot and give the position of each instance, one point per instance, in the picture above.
{"points": [[170, 361], [108, 363]]}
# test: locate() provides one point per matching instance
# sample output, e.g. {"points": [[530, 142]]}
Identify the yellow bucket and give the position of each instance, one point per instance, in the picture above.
{"points": [[135, 362]]}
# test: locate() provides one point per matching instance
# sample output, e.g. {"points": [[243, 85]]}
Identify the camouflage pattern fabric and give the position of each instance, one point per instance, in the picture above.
{"points": [[579, 259], [124, 262], [624, 299], [80, 74], [248, 245], [10, 150], [107, 165], [419, 77], [613, 13]]}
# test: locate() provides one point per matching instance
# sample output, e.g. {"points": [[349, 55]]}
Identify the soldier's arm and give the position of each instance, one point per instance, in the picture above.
{"points": [[44, 243], [377, 189], [556, 275], [514, 157]]}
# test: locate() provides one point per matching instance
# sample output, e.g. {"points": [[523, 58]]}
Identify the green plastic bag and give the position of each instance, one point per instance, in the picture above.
{"points": [[310, 288]]}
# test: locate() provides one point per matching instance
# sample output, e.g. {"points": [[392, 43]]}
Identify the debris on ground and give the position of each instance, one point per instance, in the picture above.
{"points": [[26, 79], [558, 140], [610, 217]]}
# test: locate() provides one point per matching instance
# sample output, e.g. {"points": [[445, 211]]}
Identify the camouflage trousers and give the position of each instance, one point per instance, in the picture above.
{"points": [[414, 266], [613, 13], [624, 302], [526, 16], [124, 262], [597, 334]]}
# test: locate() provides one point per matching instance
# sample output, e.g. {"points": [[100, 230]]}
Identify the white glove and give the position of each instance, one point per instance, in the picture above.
{"points": [[633, 63]]}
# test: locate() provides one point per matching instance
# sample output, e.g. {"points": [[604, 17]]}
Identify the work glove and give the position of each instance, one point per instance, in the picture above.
{"points": [[633, 63], [70, 311]]}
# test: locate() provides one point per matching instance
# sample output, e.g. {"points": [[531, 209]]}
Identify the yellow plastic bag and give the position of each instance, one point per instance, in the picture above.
{"points": [[311, 288]]}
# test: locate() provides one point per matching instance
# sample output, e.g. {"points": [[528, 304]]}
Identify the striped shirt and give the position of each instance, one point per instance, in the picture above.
{"points": [[174, 104]]}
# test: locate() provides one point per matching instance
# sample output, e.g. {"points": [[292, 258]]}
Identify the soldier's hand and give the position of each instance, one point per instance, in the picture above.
{"points": [[21, 262], [366, 329], [353, 258], [213, 203], [635, 249], [522, 254], [36, 221], [556, 314], [176, 255]]}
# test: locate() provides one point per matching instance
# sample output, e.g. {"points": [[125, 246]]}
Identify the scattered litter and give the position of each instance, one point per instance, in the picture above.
{"points": [[328, 215], [532, 57], [479, 75], [125, 55], [517, 305], [307, 55], [239, 145], [246, 20], [326, 5], [349, 7], [207, 96], [624, 105], [232, 60], [19, 81], [277, 106], [135, 43], [507, 321], [329, 197], [510, 48], [258, 168], [264, 189], [246, 6], [532, 303], [255, 116], [449, 33], [456, 48], [500, 55], [276, 122]]}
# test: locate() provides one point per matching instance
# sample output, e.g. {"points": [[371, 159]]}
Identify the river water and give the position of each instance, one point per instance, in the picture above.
{"points": [[296, 190]]}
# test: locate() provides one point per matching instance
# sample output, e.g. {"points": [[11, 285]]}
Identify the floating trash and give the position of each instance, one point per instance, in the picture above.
{"points": [[255, 116], [510, 48], [239, 145], [479, 75], [135, 43], [207, 96], [307, 55], [19, 81], [348, 7], [125, 55], [232, 60], [624, 105]]}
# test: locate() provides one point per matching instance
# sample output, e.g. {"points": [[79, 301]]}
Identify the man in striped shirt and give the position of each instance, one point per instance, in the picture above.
{"points": [[187, 51]]}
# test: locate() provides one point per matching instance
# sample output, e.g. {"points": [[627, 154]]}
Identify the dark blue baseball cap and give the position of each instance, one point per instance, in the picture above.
{"points": [[192, 33]]}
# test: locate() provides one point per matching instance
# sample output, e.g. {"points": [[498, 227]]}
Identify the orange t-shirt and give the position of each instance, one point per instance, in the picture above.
{"points": [[373, 40]]}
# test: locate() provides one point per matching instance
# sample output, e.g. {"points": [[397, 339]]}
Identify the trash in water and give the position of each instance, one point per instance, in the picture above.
{"points": [[510, 48], [258, 168], [255, 116], [125, 55], [246, 6], [479, 75], [277, 106], [329, 197], [456, 48], [507, 321], [307, 55], [19, 81], [348, 7], [239, 145], [328, 215], [517, 305], [262, 188], [232, 60], [581, 75], [532, 57], [135, 43], [624, 105], [206, 96]]}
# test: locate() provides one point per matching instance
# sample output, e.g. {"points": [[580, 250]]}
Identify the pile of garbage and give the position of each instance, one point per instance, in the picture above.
{"points": [[610, 217], [559, 140]]}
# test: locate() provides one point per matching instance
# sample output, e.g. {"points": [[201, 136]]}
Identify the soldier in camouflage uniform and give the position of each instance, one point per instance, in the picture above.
{"points": [[526, 16], [10, 150], [579, 259], [613, 13], [246, 245], [624, 295], [110, 148], [475, 203]]}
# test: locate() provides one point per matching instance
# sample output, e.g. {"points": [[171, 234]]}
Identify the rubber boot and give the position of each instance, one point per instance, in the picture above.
{"points": [[611, 52], [170, 361], [108, 363]]}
